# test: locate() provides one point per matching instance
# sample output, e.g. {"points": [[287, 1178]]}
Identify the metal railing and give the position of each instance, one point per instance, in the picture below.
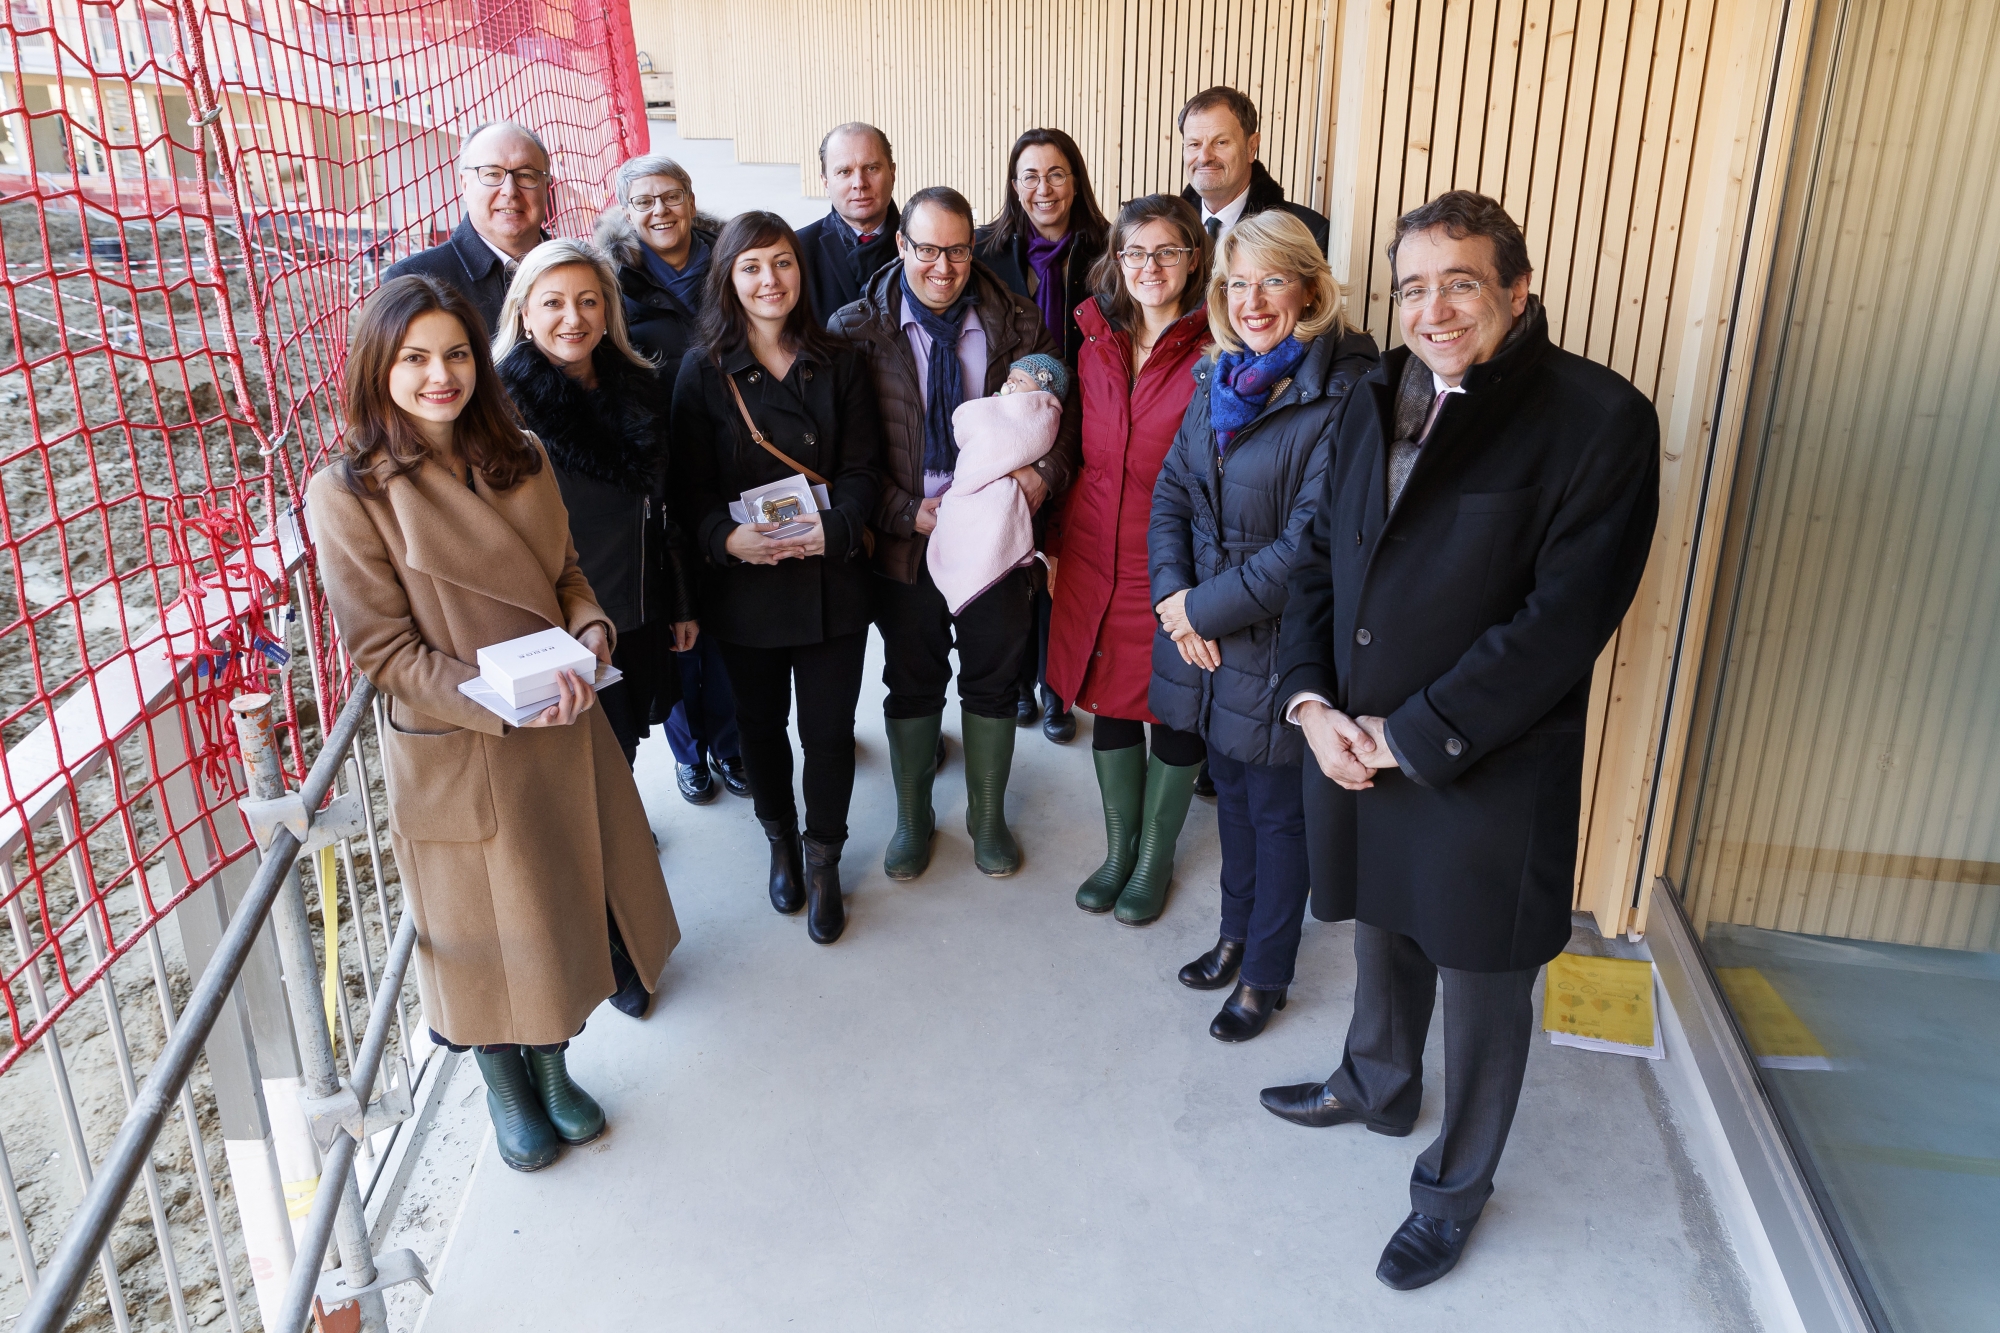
{"points": [[342, 1118]]}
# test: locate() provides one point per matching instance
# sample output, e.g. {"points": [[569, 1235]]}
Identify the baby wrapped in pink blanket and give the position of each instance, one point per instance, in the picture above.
{"points": [[984, 525]]}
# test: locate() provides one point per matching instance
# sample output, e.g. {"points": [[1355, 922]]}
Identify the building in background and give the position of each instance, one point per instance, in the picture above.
{"points": [[1777, 220]]}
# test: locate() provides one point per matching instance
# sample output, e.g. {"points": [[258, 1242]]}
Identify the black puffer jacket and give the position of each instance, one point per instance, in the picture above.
{"points": [[609, 447], [1228, 530], [660, 324]]}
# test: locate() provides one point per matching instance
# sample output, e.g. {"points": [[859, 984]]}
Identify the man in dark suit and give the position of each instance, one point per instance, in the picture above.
{"points": [[1226, 182], [858, 235], [1481, 533], [503, 181]]}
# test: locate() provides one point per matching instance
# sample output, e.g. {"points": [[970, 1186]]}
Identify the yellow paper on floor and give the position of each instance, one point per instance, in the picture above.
{"points": [[1602, 999], [1775, 1033]]}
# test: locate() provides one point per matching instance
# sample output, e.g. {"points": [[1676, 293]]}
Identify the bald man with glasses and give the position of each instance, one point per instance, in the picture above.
{"points": [[503, 181]]}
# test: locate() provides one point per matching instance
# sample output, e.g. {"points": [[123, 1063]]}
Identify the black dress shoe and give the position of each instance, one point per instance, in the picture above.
{"points": [[1423, 1250], [735, 775], [1204, 785], [631, 997], [1311, 1105], [788, 876], [695, 783], [1058, 723], [1025, 712], [1245, 1013], [1214, 969]]}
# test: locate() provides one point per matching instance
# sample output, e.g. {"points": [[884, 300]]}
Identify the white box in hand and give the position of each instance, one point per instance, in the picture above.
{"points": [[523, 671]]}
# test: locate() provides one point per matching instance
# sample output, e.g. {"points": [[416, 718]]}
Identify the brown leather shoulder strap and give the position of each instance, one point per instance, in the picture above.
{"points": [[758, 435]]}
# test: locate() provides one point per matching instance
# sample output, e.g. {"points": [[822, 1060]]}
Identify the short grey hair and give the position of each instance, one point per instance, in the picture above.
{"points": [[465, 144], [649, 164]]}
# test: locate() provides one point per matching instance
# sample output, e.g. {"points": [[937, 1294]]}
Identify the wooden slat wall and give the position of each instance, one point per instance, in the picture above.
{"points": [[1853, 786], [952, 85]]}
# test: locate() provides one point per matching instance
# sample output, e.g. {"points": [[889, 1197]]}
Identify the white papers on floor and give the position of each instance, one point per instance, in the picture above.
{"points": [[483, 694]]}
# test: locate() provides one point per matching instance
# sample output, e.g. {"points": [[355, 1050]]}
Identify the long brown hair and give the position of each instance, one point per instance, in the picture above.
{"points": [[1087, 223], [723, 325], [381, 441], [1107, 275]]}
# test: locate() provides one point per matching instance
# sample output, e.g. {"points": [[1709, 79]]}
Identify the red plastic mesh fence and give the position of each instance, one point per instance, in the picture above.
{"points": [[193, 195]]}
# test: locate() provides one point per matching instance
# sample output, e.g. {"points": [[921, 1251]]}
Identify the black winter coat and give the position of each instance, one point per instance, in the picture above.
{"points": [[468, 265], [1265, 192], [1229, 529], [1009, 263], [659, 323], [609, 447], [823, 415], [837, 270], [1471, 618]]}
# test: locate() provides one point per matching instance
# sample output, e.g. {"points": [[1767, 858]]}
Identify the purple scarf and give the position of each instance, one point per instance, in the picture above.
{"points": [[1046, 258], [1242, 385]]}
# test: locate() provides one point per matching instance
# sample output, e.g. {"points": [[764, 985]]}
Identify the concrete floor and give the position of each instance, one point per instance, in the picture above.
{"points": [[983, 1109]]}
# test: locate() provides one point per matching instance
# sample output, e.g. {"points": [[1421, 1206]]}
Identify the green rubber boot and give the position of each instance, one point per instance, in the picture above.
{"points": [[913, 765], [1169, 789], [989, 757], [1121, 777], [521, 1127], [575, 1113]]}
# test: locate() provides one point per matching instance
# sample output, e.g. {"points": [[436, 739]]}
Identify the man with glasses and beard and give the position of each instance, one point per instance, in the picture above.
{"points": [[503, 181]]}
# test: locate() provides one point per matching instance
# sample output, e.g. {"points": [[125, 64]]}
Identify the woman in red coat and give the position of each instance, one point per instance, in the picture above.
{"points": [[1143, 332]]}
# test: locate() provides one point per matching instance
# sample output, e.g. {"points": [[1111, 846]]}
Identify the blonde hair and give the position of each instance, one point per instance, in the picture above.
{"points": [[1276, 240], [544, 259]]}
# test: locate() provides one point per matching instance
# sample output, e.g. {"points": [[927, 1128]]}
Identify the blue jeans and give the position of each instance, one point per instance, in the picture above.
{"points": [[1260, 815], [703, 723]]}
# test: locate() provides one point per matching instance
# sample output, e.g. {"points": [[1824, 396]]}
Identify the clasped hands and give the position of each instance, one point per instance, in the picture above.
{"points": [[1195, 650], [753, 545], [1349, 749]]}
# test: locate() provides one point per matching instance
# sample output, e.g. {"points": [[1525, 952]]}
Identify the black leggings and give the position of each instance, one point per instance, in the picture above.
{"points": [[1182, 749], [829, 685]]}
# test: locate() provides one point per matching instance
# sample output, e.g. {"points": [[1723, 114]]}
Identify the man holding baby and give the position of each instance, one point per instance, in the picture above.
{"points": [[939, 329]]}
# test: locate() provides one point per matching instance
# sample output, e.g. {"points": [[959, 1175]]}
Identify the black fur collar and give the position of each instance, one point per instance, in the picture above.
{"points": [[615, 433]]}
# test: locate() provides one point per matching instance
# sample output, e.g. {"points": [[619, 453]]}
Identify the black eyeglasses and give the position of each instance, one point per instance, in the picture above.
{"points": [[928, 254], [526, 179]]}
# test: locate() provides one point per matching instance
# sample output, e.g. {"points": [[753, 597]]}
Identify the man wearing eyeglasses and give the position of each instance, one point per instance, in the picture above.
{"points": [[1483, 528], [503, 182], [1226, 182], [940, 328]]}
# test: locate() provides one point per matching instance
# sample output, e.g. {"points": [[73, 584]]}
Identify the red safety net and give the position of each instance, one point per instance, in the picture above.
{"points": [[193, 195]]}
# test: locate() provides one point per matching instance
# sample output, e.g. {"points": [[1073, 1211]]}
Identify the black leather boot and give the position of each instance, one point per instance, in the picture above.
{"points": [[826, 914], [1245, 1013], [1058, 723], [788, 892], [1214, 969]]}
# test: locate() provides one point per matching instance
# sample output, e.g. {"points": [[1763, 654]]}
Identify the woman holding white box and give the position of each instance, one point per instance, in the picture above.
{"points": [[765, 398], [442, 532]]}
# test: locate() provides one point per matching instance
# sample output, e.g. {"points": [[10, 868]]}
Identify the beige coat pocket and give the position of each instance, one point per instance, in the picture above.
{"points": [[438, 790]]}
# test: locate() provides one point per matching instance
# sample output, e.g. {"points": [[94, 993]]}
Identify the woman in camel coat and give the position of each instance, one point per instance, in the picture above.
{"points": [[520, 848]]}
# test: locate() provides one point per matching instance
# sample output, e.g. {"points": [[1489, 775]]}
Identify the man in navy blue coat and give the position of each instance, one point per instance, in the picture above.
{"points": [[503, 181], [1484, 525]]}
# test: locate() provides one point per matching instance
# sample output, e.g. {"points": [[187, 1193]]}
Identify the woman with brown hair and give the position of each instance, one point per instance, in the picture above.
{"points": [[1047, 239], [1144, 330], [440, 532], [765, 395]]}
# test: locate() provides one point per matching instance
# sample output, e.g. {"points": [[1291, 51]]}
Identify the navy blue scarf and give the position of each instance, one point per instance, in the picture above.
{"points": [[1242, 385], [945, 377]]}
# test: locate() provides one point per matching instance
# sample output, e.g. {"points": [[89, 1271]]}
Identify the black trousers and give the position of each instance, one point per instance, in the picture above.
{"points": [[829, 685], [919, 632], [1182, 749], [1035, 661], [1488, 1022]]}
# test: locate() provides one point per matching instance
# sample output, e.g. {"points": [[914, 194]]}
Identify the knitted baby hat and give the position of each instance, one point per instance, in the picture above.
{"points": [[1046, 371]]}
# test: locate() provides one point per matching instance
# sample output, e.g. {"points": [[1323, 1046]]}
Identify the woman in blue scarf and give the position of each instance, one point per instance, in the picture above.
{"points": [[1230, 511]]}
